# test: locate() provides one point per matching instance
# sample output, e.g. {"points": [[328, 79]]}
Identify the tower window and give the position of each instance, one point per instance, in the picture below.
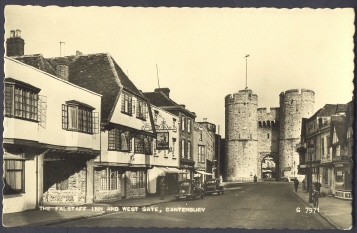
{"points": [[268, 135]]}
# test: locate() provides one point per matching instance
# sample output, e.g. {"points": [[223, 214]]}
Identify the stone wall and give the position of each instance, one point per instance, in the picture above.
{"points": [[241, 135], [105, 195], [132, 192], [73, 174], [294, 105]]}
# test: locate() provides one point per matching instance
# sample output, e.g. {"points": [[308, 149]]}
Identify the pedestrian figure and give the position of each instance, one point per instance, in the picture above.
{"points": [[255, 178], [296, 184], [162, 188]]}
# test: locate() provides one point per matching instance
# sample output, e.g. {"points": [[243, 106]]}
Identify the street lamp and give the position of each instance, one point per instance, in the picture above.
{"points": [[310, 147]]}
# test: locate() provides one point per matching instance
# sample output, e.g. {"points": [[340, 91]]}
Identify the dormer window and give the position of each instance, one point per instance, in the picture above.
{"points": [[141, 110], [21, 100], [77, 116], [127, 103]]}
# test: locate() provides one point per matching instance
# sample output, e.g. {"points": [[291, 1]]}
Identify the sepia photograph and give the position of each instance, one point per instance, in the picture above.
{"points": [[178, 117]]}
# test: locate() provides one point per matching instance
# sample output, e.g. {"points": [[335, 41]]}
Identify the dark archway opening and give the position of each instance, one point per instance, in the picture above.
{"points": [[268, 168]]}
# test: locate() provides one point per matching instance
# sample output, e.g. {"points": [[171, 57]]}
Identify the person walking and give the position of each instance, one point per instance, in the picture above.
{"points": [[255, 178], [162, 188], [296, 184]]}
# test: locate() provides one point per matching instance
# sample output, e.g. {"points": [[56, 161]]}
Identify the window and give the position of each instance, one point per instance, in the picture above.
{"points": [[109, 179], [183, 148], [119, 139], [21, 99], [200, 135], [156, 113], [322, 146], [137, 179], [201, 154], [189, 125], [143, 144], [174, 124], [173, 146], [141, 110], [183, 123], [268, 135], [141, 179], [14, 176], [127, 104], [189, 150], [79, 117]]}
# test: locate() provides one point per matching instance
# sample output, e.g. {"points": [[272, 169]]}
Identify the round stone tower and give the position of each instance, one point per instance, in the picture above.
{"points": [[294, 105], [241, 135]]}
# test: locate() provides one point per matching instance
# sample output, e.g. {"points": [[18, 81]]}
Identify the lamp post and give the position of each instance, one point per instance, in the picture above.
{"points": [[310, 147]]}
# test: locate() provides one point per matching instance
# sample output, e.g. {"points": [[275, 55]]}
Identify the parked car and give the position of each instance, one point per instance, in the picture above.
{"points": [[188, 189], [213, 186]]}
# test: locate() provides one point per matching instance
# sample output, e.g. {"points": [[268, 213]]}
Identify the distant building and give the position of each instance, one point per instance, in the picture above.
{"points": [[326, 149], [204, 149], [161, 98], [253, 134]]}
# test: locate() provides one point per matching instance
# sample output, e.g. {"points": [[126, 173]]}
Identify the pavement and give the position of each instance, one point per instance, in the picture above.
{"points": [[52, 215], [337, 212]]}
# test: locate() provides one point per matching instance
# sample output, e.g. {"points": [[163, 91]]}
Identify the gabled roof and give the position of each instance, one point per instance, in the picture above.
{"points": [[350, 114], [96, 72], [159, 99], [338, 122], [37, 61], [328, 110]]}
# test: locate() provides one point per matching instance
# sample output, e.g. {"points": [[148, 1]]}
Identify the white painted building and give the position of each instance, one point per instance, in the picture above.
{"points": [[51, 137]]}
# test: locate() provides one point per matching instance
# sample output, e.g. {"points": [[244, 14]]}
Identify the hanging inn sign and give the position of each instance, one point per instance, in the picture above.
{"points": [[162, 133]]}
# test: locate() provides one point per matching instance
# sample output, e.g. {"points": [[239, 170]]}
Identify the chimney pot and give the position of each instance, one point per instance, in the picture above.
{"points": [[15, 45], [164, 90], [18, 33]]}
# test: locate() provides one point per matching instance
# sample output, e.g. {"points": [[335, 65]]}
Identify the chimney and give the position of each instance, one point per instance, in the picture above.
{"points": [[165, 90], [15, 45], [62, 71], [79, 53]]}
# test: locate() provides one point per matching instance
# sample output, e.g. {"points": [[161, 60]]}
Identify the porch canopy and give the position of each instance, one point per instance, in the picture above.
{"points": [[203, 172], [8, 156], [155, 172]]}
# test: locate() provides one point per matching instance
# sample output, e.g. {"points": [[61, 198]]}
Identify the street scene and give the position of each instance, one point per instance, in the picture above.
{"points": [[148, 117]]}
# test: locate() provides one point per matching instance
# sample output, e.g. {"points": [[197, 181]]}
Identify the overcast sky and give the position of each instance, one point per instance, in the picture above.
{"points": [[200, 52]]}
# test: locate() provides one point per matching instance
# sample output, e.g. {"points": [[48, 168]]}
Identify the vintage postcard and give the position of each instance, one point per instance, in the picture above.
{"points": [[178, 117]]}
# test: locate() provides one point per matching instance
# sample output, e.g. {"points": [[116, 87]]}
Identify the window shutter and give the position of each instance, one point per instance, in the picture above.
{"points": [[42, 106], [145, 111], [138, 108], [95, 122], [64, 116], [133, 109], [123, 102], [130, 105]]}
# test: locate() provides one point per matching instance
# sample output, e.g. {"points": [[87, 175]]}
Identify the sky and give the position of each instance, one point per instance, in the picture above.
{"points": [[200, 51]]}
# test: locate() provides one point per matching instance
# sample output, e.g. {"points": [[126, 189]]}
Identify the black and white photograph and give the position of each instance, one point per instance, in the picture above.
{"points": [[178, 117]]}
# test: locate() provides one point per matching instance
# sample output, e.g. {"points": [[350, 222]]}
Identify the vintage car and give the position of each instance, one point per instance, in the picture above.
{"points": [[188, 189], [213, 186]]}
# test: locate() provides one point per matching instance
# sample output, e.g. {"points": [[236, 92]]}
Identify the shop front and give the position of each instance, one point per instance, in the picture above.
{"points": [[170, 175], [343, 180], [187, 166]]}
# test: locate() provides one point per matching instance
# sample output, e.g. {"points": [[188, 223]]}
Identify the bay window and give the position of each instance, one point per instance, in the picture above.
{"points": [[119, 139], [21, 100], [79, 117]]}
